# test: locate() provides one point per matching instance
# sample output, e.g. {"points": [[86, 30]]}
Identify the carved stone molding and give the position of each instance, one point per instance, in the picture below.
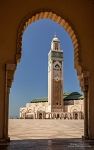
{"points": [[10, 69], [84, 81], [30, 18]]}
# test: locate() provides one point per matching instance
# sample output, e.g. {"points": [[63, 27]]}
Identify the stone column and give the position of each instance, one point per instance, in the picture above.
{"points": [[50, 115], [6, 72], [78, 116], [42, 115], [2, 101], [85, 87], [91, 107], [72, 115], [6, 113], [35, 116], [45, 115], [10, 68]]}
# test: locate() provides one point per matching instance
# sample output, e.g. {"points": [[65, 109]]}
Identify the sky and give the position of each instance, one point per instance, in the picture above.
{"points": [[31, 75]]}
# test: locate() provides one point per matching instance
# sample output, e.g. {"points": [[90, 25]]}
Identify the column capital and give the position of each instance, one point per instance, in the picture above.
{"points": [[10, 69], [84, 80]]}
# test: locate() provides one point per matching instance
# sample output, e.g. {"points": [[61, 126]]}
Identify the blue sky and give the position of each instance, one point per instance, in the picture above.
{"points": [[31, 76]]}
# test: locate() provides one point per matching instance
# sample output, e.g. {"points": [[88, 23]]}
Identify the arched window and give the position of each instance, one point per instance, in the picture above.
{"points": [[56, 46]]}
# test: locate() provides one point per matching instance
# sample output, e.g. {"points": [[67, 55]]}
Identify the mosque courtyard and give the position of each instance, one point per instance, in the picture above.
{"points": [[20, 129], [57, 134]]}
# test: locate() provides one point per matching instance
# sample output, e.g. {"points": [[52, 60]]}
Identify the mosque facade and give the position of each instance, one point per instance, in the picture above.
{"points": [[58, 104]]}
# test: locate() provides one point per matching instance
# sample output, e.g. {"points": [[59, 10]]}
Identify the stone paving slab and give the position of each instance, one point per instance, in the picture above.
{"points": [[20, 129], [46, 135]]}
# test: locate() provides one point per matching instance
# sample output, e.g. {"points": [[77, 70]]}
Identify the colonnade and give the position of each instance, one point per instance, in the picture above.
{"points": [[53, 115]]}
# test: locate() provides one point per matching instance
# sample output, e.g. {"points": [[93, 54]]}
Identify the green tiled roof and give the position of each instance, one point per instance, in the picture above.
{"points": [[66, 96], [73, 96], [37, 100]]}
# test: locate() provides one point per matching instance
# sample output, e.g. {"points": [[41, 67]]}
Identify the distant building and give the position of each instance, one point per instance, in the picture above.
{"points": [[57, 105], [39, 108]]}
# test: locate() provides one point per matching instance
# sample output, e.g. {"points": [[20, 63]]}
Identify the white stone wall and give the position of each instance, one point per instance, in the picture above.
{"points": [[33, 109], [78, 106]]}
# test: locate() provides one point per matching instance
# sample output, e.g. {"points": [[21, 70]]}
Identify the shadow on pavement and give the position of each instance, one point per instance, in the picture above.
{"points": [[49, 144]]}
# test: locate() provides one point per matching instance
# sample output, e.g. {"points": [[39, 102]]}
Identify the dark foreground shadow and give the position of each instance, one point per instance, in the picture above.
{"points": [[49, 144]]}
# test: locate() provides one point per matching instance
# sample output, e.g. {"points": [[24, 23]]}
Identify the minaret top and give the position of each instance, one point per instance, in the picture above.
{"points": [[55, 39], [55, 44]]}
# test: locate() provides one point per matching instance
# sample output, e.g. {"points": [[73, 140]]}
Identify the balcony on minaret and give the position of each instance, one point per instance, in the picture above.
{"points": [[55, 44]]}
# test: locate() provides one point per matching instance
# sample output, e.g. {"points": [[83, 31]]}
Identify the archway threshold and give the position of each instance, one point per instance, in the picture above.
{"points": [[49, 144]]}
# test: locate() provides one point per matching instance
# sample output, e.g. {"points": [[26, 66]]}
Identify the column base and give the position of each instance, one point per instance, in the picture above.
{"points": [[85, 138], [5, 140]]}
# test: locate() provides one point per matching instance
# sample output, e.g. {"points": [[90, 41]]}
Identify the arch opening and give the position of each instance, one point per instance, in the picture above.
{"points": [[58, 19], [65, 25]]}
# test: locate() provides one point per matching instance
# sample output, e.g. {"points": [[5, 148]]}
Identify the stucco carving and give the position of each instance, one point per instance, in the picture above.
{"points": [[84, 81], [10, 68]]}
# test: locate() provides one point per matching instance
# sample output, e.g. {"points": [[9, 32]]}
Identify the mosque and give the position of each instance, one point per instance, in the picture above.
{"points": [[58, 105]]}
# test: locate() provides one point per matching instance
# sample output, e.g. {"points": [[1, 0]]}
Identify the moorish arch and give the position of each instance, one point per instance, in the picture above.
{"points": [[75, 108], [83, 75], [29, 19]]}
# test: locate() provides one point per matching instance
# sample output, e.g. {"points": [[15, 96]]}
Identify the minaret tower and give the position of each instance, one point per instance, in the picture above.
{"points": [[55, 78]]}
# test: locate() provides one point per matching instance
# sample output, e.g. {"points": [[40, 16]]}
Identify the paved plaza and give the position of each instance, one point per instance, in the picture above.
{"points": [[20, 129], [46, 135]]}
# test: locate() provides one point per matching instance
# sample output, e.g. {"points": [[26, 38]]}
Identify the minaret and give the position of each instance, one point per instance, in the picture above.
{"points": [[55, 78]]}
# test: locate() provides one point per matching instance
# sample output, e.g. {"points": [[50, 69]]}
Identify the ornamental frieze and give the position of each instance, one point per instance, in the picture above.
{"points": [[56, 54]]}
